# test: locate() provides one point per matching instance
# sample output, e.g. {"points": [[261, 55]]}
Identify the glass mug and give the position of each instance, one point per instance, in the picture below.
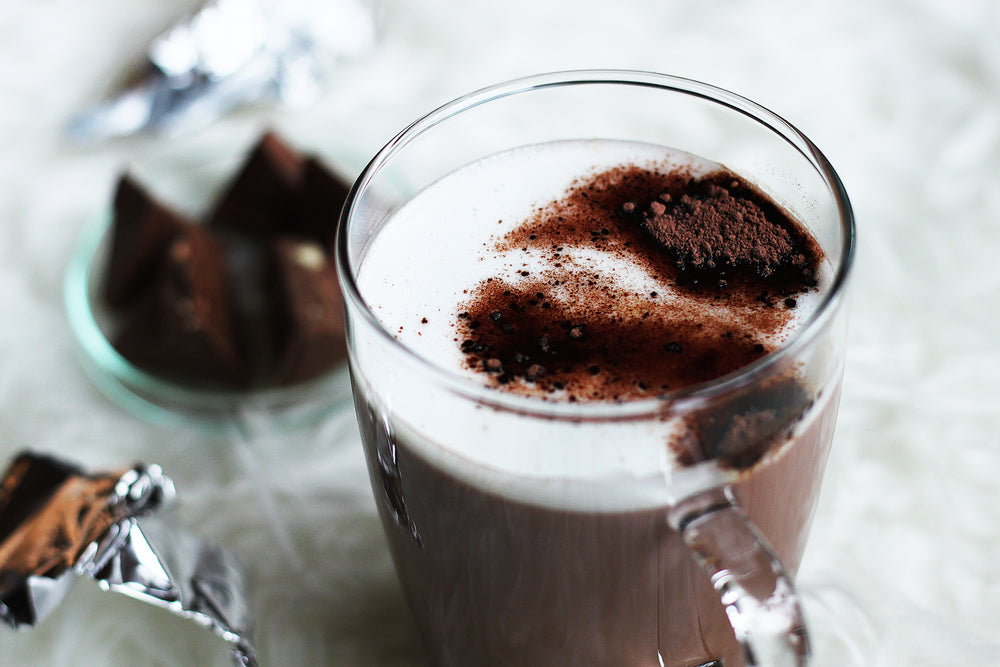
{"points": [[683, 566]]}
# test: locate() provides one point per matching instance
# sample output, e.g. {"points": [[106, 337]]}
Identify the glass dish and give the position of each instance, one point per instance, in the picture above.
{"points": [[167, 402]]}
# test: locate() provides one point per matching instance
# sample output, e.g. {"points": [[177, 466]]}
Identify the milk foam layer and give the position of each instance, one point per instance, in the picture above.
{"points": [[422, 264]]}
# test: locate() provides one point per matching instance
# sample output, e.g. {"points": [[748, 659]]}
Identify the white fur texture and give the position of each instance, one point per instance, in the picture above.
{"points": [[903, 96]]}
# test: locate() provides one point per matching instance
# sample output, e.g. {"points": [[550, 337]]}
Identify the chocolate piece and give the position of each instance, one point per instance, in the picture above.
{"points": [[141, 229], [323, 195], [193, 299], [186, 329], [308, 311], [58, 522], [281, 192], [37, 492], [265, 193]]}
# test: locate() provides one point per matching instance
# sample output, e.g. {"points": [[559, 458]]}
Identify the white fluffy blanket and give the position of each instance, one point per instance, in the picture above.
{"points": [[903, 96]]}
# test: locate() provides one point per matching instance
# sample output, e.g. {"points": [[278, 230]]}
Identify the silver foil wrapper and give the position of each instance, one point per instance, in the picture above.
{"points": [[59, 523], [232, 53]]}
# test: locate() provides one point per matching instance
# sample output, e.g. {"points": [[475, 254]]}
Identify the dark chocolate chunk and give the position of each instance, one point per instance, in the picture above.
{"points": [[323, 194], [267, 310], [281, 192], [50, 513], [266, 191], [186, 328], [308, 310], [140, 232]]}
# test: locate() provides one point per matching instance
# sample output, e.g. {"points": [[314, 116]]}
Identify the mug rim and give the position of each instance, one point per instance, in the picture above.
{"points": [[600, 411]]}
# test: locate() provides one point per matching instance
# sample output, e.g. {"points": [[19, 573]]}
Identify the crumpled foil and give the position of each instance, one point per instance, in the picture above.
{"points": [[59, 523], [232, 53]]}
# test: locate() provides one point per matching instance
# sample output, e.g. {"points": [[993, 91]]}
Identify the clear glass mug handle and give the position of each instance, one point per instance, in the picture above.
{"points": [[758, 595]]}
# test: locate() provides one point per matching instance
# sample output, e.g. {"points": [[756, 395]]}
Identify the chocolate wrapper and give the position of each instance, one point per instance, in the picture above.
{"points": [[58, 523], [232, 53]]}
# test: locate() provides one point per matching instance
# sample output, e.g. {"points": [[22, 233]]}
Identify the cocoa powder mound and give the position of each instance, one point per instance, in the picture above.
{"points": [[715, 230], [724, 233]]}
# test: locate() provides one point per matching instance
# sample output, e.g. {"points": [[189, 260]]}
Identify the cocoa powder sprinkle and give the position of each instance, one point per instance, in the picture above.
{"points": [[570, 332]]}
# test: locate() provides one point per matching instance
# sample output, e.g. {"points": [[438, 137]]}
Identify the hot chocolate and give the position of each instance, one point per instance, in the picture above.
{"points": [[577, 277], [495, 580]]}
